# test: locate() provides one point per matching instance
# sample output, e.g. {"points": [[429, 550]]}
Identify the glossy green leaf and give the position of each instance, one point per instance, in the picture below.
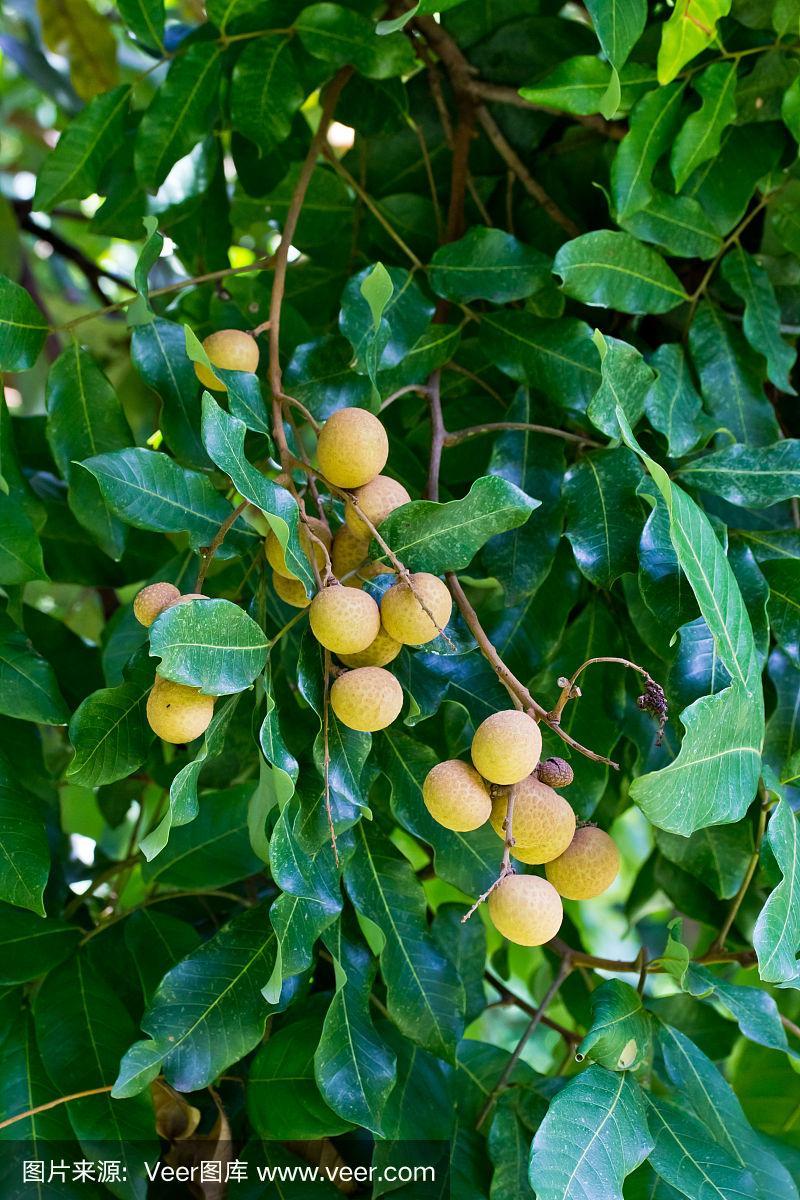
{"points": [[625, 381], [619, 1036], [691, 28], [427, 536], [594, 1134], [762, 317], [603, 483], [487, 264], [212, 851], [673, 405], [731, 378], [614, 270], [699, 139], [179, 113], [719, 855], [212, 645], [266, 90], [72, 170], [653, 124], [283, 1099], [32, 946], [753, 478], [678, 225], [24, 852], [341, 36], [404, 319], [618, 24], [158, 352], [109, 732], [145, 20], [28, 686], [776, 937], [23, 329], [554, 357], [686, 1158], [156, 942], [783, 606]]}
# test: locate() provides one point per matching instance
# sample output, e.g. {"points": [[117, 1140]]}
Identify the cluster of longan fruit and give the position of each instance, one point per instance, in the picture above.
{"points": [[579, 863], [175, 713]]}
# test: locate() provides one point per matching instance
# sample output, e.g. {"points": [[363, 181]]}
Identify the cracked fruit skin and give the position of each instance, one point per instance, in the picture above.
{"points": [[366, 699], [506, 746], [291, 591], [543, 823], [151, 601], [456, 796], [352, 448], [588, 866], [376, 499], [344, 620], [177, 713], [231, 349], [526, 910], [405, 618], [377, 654], [277, 558]]}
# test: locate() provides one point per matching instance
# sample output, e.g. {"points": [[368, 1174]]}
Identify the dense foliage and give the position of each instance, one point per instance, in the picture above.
{"points": [[556, 248]]}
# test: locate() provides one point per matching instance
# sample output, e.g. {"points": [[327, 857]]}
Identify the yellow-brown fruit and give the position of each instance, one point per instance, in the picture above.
{"points": [[588, 866], [406, 619], [231, 349], [352, 447], [343, 620], [526, 910], [177, 713], [456, 796], [377, 654], [506, 746], [366, 699], [291, 591], [543, 824], [349, 552], [376, 499], [152, 600], [276, 557]]}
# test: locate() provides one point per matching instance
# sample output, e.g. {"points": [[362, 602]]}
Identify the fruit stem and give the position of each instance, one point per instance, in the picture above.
{"points": [[506, 867], [207, 552]]}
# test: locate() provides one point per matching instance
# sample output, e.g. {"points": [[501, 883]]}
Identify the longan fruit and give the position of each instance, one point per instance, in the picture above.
{"points": [[377, 654], [275, 553], [405, 618], [506, 746], [291, 591], [349, 552], [186, 597], [343, 620], [588, 866], [352, 447], [456, 796], [543, 823], [366, 699], [526, 910], [231, 349], [177, 713], [555, 771], [152, 600], [376, 499]]}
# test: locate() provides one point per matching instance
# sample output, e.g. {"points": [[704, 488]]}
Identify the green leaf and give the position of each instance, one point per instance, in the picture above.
{"points": [[594, 1134], [82, 1028], [266, 91], [699, 139], [691, 28], [424, 994], [354, 1068], [704, 1090], [673, 405], [687, 1159], [212, 645], [158, 352], [73, 168], [23, 329], [731, 379], [404, 319], [783, 606], [20, 515], [212, 851], [179, 115], [762, 316], [618, 24], [790, 109], [24, 852], [283, 1100], [25, 1086], [580, 84], [427, 536], [614, 270], [487, 264], [776, 936], [625, 381], [32, 946], [713, 779], [421, 8], [653, 124], [604, 514], [156, 942], [719, 856], [619, 1036], [183, 801], [145, 20], [85, 418], [109, 732], [554, 357], [149, 490], [677, 224], [341, 36], [208, 1011], [223, 438], [140, 311], [754, 478], [516, 1115], [28, 685]]}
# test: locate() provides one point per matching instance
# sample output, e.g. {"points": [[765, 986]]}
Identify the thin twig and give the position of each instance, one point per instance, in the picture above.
{"points": [[569, 1035], [369, 203], [31, 1112], [461, 435], [207, 552]]}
